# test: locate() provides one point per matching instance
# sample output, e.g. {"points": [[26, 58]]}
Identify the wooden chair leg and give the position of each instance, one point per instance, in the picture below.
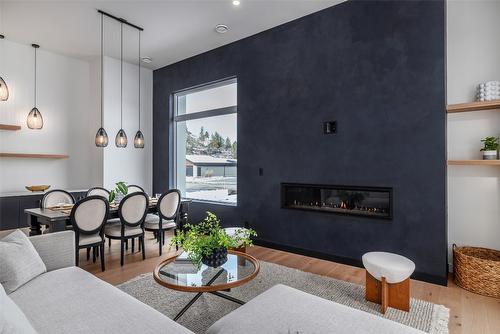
{"points": [[102, 256], [163, 237], [122, 250], [143, 248], [176, 245], [139, 243], [109, 242], [88, 253], [93, 254], [126, 244], [133, 244], [385, 295]]}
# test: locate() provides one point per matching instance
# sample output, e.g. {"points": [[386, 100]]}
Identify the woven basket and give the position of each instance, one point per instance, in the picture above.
{"points": [[477, 270]]}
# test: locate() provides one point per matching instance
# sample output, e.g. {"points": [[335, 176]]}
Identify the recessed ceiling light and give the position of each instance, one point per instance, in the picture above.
{"points": [[221, 28], [147, 60], [236, 2]]}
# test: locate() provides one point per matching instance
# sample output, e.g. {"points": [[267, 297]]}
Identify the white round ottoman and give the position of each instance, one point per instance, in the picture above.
{"points": [[388, 279]]}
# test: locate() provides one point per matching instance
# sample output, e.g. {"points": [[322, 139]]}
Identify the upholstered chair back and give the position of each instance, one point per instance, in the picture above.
{"points": [[134, 189], [90, 214], [98, 191], [133, 208], [169, 203], [55, 197]]}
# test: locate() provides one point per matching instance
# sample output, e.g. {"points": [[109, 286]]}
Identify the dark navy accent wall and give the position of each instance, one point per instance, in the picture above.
{"points": [[378, 69]]}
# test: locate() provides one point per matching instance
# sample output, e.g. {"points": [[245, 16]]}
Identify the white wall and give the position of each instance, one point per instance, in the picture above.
{"points": [[64, 100], [473, 56], [129, 164], [68, 98]]}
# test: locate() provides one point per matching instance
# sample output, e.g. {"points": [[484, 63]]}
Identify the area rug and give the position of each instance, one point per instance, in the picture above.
{"points": [[426, 316]]}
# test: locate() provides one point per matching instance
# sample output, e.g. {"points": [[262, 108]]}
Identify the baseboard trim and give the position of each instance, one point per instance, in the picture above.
{"points": [[344, 260]]}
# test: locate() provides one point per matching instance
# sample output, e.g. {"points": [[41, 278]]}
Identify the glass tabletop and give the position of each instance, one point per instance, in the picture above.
{"points": [[179, 273]]}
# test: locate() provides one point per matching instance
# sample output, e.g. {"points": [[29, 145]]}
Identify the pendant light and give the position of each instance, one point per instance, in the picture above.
{"points": [[139, 137], [101, 137], [35, 120], [121, 136], [4, 90]]}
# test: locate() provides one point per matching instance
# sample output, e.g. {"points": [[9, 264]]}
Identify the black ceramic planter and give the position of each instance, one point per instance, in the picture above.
{"points": [[216, 259]]}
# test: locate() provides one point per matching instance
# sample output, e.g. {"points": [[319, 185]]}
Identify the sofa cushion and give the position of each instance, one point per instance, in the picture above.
{"points": [[57, 250], [12, 319], [282, 309], [19, 261], [71, 300]]}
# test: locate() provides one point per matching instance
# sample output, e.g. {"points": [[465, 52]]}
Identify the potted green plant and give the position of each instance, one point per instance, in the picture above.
{"points": [[490, 148], [121, 190], [208, 243]]}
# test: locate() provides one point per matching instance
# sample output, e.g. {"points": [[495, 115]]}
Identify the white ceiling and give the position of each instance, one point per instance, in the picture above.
{"points": [[173, 30]]}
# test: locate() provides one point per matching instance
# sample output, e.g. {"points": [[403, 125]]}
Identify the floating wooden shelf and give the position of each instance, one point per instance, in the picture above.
{"points": [[475, 162], [9, 127], [473, 106], [33, 156]]}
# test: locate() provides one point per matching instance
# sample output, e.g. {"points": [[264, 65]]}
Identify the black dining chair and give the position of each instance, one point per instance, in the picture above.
{"points": [[98, 191], [56, 197], [134, 189], [88, 217], [132, 211], [168, 210]]}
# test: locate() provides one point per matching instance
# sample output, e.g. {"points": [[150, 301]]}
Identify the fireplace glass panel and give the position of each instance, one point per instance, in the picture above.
{"points": [[373, 202]]}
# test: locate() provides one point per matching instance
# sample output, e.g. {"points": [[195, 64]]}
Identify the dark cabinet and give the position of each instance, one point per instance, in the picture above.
{"points": [[12, 214], [9, 213], [27, 202]]}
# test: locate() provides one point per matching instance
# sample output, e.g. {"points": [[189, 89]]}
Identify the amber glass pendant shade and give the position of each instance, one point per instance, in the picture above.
{"points": [[121, 139], [101, 138], [34, 120], [139, 140], [4, 90]]}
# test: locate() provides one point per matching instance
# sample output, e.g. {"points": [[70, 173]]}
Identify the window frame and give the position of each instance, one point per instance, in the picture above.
{"points": [[199, 115]]}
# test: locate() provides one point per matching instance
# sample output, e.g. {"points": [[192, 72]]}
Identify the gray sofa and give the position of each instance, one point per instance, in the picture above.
{"points": [[286, 310], [67, 299]]}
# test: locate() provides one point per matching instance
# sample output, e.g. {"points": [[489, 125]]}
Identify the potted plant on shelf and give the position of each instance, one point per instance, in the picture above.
{"points": [[208, 243], [490, 148], [119, 192]]}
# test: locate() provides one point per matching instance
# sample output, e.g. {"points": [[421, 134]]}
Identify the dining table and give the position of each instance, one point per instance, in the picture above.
{"points": [[57, 217]]}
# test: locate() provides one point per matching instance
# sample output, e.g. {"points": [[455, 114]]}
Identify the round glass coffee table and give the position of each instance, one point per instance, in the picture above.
{"points": [[179, 273]]}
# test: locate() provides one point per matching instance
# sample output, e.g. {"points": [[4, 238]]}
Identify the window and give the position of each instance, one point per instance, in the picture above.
{"points": [[206, 142]]}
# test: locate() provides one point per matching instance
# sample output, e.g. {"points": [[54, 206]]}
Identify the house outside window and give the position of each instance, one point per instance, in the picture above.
{"points": [[205, 131]]}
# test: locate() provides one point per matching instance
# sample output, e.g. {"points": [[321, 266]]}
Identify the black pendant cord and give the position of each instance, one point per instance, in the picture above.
{"points": [[121, 76], [139, 80], [102, 65], [35, 79]]}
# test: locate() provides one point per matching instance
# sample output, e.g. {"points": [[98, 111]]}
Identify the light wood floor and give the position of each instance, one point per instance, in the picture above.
{"points": [[469, 313]]}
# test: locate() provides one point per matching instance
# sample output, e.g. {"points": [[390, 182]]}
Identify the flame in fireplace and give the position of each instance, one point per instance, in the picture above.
{"points": [[343, 205]]}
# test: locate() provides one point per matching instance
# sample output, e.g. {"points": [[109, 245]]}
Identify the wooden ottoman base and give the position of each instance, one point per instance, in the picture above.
{"points": [[395, 295]]}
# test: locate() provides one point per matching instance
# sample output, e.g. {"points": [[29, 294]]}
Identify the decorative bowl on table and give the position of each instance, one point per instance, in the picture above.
{"points": [[42, 188]]}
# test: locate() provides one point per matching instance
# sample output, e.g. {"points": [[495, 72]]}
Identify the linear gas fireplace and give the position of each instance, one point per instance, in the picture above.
{"points": [[375, 202]]}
